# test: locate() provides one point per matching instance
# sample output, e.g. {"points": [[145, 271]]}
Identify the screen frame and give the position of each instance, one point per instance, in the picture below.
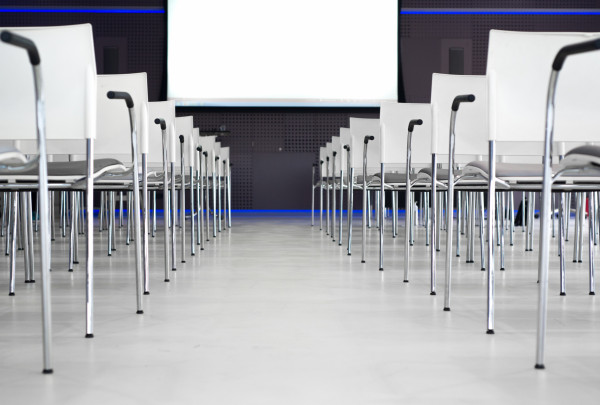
{"points": [[401, 97]]}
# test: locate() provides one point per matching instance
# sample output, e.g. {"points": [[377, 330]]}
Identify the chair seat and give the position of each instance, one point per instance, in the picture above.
{"points": [[442, 174], [395, 178], [12, 156], [507, 170], [57, 170], [359, 179], [582, 156]]}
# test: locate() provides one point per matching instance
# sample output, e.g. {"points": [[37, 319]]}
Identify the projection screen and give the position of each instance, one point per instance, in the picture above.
{"points": [[282, 53]]}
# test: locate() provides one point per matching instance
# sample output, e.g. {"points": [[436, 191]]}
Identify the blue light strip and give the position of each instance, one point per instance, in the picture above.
{"points": [[95, 10], [456, 11]]}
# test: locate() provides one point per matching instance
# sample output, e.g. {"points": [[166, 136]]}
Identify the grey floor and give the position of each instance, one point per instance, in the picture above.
{"points": [[274, 312]]}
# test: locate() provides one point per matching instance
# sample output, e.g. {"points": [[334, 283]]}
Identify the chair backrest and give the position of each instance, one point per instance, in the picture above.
{"points": [[336, 146], [471, 121], [359, 128], [519, 66], [113, 126], [217, 153], [345, 139], [323, 160], [208, 144], [225, 154], [166, 111], [185, 126], [395, 118], [68, 69]]}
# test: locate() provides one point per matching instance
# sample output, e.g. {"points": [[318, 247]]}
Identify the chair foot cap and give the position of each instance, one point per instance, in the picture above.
{"points": [[75, 262], [12, 294], [446, 309], [146, 292], [89, 335], [70, 270], [490, 332], [167, 280], [433, 293], [405, 281], [592, 293], [139, 312], [539, 367], [381, 269], [362, 261], [502, 268], [563, 294], [47, 371]]}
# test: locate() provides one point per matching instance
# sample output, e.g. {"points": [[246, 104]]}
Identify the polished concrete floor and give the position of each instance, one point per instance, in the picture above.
{"points": [[274, 312]]}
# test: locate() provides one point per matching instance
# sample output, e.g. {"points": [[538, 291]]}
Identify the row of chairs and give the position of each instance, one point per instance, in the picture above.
{"points": [[518, 129], [69, 132]]}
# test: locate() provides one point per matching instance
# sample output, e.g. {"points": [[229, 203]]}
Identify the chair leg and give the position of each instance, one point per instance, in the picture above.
{"points": [[394, 214], [73, 235], [333, 204], [427, 218], [502, 225], [380, 219], [4, 213], [482, 230], [13, 244], [120, 209], [166, 216], [312, 201], [350, 208], [129, 209], [146, 218], [490, 234], [512, 217], [154, 213], [174, 220], [365, 214], [24, 237], [369, 210], [458, 221], [434, 219], [561, 243], [321, 204], [182, 216], [581, 221], [110, 225], [193, 212], [449, 225], [340, 223], [591, 218], [214, 196], [29, 212]]}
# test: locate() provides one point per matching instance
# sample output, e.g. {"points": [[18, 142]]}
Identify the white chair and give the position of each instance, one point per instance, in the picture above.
{"points": [[185, 128], [162, 132], [226, 160], [527, 100], [63, 107], [462, 133], [398, 119], [208, 143], [365, 160], [199, 165]]}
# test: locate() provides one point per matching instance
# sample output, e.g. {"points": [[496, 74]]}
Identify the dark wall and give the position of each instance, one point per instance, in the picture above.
{"points": [[285, 139]]}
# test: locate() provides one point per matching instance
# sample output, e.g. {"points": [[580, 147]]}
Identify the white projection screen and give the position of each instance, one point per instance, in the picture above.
{"points": [[282, 53]]}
